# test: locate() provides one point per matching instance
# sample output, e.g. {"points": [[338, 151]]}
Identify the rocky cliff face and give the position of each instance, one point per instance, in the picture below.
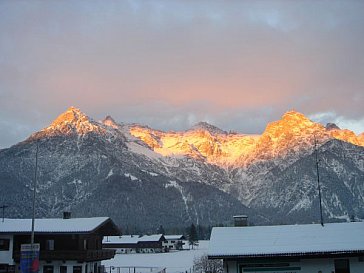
{"points": [[291, 136], [141, 176]]}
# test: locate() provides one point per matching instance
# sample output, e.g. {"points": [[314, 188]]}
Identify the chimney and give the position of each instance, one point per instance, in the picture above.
{"points": [[240, 220], [66, 215]]}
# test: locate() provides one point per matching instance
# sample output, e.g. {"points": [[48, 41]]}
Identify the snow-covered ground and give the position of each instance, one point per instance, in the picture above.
{"points": [[178, 261]]}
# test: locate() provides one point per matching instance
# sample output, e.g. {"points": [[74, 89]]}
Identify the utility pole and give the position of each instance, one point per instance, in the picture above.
{"points": [[3, 207], [34, 192], [318, 181]]}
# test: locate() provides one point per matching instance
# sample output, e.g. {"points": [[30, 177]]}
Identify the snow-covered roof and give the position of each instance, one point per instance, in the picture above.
{"points": [[131, 239], [174, 237], [150, 238], [124, 239], [240, 216], [52, 225], [286, 240]]}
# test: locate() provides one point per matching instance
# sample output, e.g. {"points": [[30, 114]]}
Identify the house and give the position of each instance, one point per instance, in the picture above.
{"points": [[71, 245], [135, 243], [331, 248], [174, 242], [151, 243], [124, 244]]}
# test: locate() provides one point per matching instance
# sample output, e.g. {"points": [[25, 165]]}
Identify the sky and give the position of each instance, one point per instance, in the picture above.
{"points": [[170, 64]]}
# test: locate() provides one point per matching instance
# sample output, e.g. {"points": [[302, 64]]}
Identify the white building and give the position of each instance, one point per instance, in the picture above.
{"points": [[174, 242], [332, 248], [66, 245]]}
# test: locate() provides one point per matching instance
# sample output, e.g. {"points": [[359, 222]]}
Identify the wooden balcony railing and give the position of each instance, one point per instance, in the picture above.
{"points": [[77, 255]]}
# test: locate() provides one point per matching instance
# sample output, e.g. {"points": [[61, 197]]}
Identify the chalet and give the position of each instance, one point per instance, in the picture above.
{"points": [[135, 244], [331, 248], [174, 242], [71, 245], [124, 244]]}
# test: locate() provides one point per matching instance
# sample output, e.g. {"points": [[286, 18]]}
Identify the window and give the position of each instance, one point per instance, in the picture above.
{"points": [[48, 269], [3, 268], [63, 269], [4, 244], [342, 266], [276, 266], [77, 269], [50, 245], [11, 268]]}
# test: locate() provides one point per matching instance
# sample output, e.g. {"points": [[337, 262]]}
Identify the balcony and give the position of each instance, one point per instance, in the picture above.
{"points": [[77, 255]]}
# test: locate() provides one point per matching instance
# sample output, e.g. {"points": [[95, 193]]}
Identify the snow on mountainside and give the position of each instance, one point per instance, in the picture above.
{"points": [[73, 121], [204, 126], [217, 148], [290, 136], [142, 176]]}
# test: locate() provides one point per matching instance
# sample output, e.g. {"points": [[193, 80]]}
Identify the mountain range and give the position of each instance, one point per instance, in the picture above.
{"points": [[145, 178]]}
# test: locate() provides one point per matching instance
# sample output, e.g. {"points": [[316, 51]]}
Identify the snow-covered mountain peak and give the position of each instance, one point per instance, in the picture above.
{"points": [[293, 134], [285, 139], [109, 121], [293, 114], [347, 136], [72, 121], [296, 118], [294, 123], [332, 126], [71, 116], [205, 126]]}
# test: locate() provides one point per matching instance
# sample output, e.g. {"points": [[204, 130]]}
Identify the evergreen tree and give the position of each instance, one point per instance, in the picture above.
{"points": [[161, 230], [200, 232], [192, 236]]}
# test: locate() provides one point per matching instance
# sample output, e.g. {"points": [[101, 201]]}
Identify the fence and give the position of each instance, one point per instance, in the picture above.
{"points": [[133, 269]]}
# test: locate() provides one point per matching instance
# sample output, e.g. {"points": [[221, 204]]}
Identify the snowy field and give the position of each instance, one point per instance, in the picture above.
{"points": [[174, 262]]}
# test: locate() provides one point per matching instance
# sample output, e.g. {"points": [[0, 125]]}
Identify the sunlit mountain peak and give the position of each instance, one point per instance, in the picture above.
{"points": [[73, 120], [109, 121], [71, 115], [205, 126], [332, 126], [292, 113], [293, 134], [294, 117], [293, 122], [361, 138]]}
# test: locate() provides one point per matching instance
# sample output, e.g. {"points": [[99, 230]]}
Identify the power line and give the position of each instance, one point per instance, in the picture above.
{"points": [[34, 192], [318, 181]]}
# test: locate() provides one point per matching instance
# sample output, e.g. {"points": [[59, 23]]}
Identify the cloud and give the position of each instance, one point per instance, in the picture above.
{"points": [[356, 125], [238, 64]]}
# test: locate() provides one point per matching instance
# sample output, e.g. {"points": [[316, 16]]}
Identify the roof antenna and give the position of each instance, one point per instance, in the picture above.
{"points": [[318, 180], [4, 207]]}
